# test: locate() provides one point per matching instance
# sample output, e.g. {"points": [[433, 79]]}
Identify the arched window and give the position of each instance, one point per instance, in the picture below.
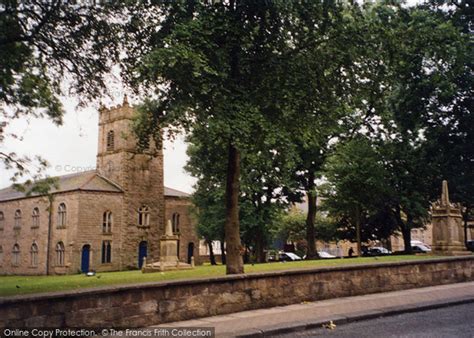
{"points": [[16, 255], [17, 223], [35, 218], [2, 220], [60, 254], [110, 140], [175, 223], [107, 222], [1, 255], [106, 252], [62, 215], [34, 254], [144, 216]]}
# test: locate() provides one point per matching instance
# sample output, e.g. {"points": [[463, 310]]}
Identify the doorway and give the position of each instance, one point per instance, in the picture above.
{"points": [[190, 251], [85, 258], [142, 253]]}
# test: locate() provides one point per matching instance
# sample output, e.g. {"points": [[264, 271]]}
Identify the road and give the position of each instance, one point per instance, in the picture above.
{"points": [[454, 321]]}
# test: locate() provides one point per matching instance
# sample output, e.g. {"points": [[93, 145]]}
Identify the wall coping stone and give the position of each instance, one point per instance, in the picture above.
{"points": [[112, 289]]}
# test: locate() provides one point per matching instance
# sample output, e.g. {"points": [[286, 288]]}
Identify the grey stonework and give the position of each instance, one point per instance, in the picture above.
{"points": [[125, 181]]}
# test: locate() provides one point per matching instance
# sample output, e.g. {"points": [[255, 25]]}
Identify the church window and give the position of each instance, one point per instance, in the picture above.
{"points": [[34, 254], [144, 216], [16, 255], [35, 218], [60, 254], [62, 215], [110, 140], [17, 223], [2, 220], [175, 223], [1, 255], [106, 252], [107, 222]]}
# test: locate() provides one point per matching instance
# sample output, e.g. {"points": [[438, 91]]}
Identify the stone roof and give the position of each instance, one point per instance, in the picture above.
{"points": [[85, 181], [175, 193]]}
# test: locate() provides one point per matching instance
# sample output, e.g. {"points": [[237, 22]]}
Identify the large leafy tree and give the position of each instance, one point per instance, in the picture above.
{"points": [[49, 49], [450, 127], [222, 64], [264, 172]]}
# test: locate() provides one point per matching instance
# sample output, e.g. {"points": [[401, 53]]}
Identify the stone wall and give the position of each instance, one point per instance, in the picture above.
{"points": [[187, 230], [161, 302]]}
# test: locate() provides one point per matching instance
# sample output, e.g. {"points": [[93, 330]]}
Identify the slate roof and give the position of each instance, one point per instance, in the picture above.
{"points": [[85, 181], [175, 193]]}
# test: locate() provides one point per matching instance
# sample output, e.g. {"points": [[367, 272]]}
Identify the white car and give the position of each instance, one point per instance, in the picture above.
{"points": [[325, 255], [420, 248], [289, 256]]}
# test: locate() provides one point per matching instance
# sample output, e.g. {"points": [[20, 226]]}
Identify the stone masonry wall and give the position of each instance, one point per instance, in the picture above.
{"points": [[161, 302], [187, 228]]}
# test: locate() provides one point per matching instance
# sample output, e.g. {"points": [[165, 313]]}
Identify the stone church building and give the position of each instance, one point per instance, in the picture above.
{"points": [[103, 220]]}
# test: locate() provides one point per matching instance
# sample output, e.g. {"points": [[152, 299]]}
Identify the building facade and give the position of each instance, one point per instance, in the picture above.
{"points": [[108, 219]]}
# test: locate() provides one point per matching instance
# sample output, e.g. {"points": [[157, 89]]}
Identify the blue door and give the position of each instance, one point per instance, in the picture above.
{"points": [[85, 258], [142, 252], [190, 251]]}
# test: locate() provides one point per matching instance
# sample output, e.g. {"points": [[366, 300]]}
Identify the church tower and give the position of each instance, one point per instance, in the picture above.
{"points": [[140, 175]]}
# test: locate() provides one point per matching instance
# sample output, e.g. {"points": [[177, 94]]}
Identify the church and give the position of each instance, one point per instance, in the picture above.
{"points": [[107, 219]]}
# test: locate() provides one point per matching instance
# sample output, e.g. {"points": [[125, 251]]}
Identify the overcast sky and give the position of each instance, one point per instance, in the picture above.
{"points": [[72, 147]]}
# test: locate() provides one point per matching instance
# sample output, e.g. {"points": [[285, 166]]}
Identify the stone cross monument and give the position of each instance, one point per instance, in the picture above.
{"points": [[448, 238], [168, 254]]}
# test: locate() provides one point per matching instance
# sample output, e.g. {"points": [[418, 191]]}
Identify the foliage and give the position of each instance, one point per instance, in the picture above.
{"points": [[49, 49]]}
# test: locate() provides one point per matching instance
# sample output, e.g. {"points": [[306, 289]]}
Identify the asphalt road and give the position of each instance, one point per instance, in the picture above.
{"points": [[455, 321]]}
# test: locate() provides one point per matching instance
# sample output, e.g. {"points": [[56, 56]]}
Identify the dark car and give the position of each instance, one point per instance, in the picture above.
{"points": [[470, 245]]}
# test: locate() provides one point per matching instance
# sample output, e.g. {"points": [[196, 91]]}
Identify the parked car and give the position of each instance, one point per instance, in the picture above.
{"points": [[470, 245], [325, 255], [420, 248], [415, 242], [289, 256], [376, 251]]}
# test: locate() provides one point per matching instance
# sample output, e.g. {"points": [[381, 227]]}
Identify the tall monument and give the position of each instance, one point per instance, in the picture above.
{"points": [[448, 238]]}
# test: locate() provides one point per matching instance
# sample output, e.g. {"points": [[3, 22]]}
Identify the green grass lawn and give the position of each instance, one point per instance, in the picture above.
{"points": [[16, 285]]}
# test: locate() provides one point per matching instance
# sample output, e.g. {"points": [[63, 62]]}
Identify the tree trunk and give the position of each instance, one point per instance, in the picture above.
{"points": [[406, 233], [232, 227], [223, 257], [212, 257], [358, 235], [465, 217], [311, 252]]}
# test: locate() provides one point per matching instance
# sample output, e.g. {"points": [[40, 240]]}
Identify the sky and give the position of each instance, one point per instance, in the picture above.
{"points": [[72, 147]]}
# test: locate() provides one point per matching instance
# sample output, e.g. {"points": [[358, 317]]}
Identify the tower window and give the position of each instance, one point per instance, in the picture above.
{"points": [[2, 220], [110, 140], [17, 223], [62, 215], [175, 223], [16, 255], [106, 252], [1, 255], [107, 222], [144, 216], [60, 254], [34, 254], [35, 218]]}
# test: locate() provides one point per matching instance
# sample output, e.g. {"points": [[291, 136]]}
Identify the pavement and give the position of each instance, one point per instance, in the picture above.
{"points": [[310, 315]]}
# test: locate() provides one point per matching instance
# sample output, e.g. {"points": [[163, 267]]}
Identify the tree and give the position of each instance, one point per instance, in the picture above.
{"points": [[222, 64], [357, 194], [49, 49], [264, 172]]}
